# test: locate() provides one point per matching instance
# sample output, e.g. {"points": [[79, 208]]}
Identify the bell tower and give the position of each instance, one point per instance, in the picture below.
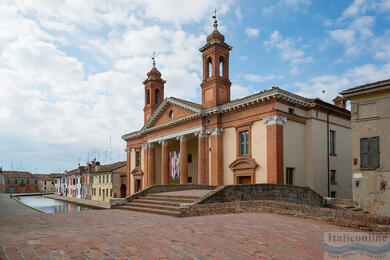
{"points": [[154, 91], [216, 83]]}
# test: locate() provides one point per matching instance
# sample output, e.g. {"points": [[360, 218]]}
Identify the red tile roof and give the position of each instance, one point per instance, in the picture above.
{"points": [[17, 174]]}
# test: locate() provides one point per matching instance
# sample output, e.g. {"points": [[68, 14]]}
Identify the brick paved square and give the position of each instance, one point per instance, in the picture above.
{"points": [[118, 234]]}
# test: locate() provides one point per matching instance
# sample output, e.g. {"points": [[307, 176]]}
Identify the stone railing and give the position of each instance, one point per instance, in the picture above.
{"points": [[249, 192]]}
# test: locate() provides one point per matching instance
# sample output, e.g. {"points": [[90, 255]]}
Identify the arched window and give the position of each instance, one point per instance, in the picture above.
{"points": [[157, 96], [148, 97], [209, 68], [221, 67]]}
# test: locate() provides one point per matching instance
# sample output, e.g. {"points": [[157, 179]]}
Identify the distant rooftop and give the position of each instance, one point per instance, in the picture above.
{"points": [[369, 86]]}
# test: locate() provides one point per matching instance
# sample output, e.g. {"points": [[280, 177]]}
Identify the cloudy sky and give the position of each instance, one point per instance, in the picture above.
{"points": [[71, 71]]}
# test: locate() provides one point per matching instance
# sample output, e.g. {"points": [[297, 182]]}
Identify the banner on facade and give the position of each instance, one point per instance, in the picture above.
{"points": [[174, 166]]}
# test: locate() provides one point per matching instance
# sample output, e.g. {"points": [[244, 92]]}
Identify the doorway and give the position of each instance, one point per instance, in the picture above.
{"points": [[137, 185], [244, 180], [104, 197], [123, 191]]}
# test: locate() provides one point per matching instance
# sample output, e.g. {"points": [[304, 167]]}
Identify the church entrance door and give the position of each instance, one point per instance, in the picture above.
{"points": [[244, 180]]}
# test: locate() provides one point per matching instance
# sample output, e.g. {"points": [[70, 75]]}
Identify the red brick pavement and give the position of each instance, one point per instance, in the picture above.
{"points": [[119, 234]]}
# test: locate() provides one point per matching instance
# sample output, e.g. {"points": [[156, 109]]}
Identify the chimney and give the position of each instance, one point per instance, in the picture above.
{"points": [[89, 167], [340, 102]]}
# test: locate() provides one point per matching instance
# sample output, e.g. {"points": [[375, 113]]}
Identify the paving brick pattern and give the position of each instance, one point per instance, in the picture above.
{"points": [[117, 234]]}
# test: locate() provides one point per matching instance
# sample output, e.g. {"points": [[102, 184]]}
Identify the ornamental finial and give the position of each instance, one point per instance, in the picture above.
{"points": [[215, 19], [154, 60]]}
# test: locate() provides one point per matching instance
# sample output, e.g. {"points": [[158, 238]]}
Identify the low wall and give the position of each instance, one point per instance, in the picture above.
{"points": [[367, 222], [168, 188], [249, 192]]}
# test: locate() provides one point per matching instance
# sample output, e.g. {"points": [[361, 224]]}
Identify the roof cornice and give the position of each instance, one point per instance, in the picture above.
{"points": [[274, 93]]}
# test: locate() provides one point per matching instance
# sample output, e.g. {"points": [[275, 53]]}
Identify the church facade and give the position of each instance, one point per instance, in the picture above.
{"points": [[273, 136]]}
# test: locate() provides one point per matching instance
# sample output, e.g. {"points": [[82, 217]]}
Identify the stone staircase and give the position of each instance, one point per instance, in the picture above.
{"points": [[162, 204]]}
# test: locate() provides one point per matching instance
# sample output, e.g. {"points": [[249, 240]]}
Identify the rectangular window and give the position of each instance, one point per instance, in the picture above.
{"points": [[16, 181], [100, 179], [369, 152], [100, 192], [137, 159], [332, 142], [21, 181], [110, 192], [189, 158], [104, 178], [290, 176], [106, 192], [9, 181], [333, 194], [28, 181], [244, 143], [333, 176], [36, 181], [111, 179]]}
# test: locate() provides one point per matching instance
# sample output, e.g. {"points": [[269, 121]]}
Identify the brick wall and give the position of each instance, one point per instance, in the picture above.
{"points": [[249, 192], [329, 215]]}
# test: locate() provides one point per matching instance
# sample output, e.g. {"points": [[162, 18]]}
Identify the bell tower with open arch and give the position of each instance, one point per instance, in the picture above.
{"points": [[216, 83]]}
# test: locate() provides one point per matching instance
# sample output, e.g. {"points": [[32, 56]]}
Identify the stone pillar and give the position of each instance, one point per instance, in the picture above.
{"points": [[164, 162], [145, 162], [128, 175], [202, 153], [275, 166], [183, 160], [216, 140], [151, 165]]}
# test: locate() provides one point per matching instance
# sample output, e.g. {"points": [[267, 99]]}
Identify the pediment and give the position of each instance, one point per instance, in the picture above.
{"points": [[171, 110], [243, 163], [137, 171]]}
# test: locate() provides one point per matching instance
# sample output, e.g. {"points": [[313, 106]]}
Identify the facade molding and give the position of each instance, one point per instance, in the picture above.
{"points": [[215, 131], [272, 120], [175, 135]]}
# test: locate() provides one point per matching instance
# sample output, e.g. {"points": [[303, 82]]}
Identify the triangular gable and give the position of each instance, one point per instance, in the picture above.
{"points": [[180, 109]]}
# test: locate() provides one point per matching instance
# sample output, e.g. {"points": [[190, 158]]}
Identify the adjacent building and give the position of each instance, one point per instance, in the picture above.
{"points": [[2, 182], [19, 182], [273, 136], [57, 184], [74, 182], [370, 106], [46, 182], [109, 181]]}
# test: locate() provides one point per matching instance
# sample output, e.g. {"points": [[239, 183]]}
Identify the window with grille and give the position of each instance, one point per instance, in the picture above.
{"points": [[137, 159], [333, 176], [290, 176], [369, 152], [332, 142], [244, 143]]}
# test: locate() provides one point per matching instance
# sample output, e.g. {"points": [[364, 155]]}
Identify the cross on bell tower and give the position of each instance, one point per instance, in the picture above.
{"points": [[216, 83]]}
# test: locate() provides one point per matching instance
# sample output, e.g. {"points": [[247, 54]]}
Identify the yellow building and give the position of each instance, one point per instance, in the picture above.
{"points": [[107, 181], [370, 106], [46, 182]]}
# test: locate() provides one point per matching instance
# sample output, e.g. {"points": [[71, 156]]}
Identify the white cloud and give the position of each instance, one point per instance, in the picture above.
{"points": [[259, 78], [252, 32], [279, 5], [333, 84], [288, 50], [72, 71], [238, 91]]}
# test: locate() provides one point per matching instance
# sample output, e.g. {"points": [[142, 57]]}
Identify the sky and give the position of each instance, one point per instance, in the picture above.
{"points": [[71, 71]]}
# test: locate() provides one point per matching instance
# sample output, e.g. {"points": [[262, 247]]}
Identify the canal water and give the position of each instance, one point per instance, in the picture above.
{"points": [[50, 205]]}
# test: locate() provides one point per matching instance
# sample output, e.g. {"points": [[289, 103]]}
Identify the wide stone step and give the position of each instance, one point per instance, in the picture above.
{"points": [[157, 202], [153, 206], [173, 196], [179, 200], [151, 211]]}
